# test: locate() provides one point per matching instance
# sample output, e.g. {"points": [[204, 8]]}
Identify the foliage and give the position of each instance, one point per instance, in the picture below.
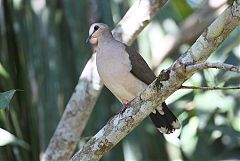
{"points": [[43, 51], [8, 138], [5, 98]]}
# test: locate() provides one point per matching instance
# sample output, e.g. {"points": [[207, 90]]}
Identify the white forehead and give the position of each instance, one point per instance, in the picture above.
{"points": [[101, 25], [91, 28]]}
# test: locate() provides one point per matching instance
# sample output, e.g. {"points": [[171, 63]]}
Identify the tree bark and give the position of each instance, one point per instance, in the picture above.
{"points": [[81, 103], [167, 82]]}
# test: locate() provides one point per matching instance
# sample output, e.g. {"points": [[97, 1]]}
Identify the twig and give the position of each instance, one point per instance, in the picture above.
{"points": [[209, 88], [139, 108], [201, 66]]}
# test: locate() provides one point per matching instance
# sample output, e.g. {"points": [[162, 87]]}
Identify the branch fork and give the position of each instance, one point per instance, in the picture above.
{"points": [[161, 88]]}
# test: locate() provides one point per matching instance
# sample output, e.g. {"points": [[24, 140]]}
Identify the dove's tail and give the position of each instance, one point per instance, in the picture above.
{"points": [[165, 121]]}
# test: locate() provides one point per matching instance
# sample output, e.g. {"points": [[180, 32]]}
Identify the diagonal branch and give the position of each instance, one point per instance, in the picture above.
{"points": [[167, 82], [82, 101]]}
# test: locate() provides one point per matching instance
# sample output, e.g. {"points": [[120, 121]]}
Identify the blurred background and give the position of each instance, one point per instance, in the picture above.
{"points": [[42, 54]]}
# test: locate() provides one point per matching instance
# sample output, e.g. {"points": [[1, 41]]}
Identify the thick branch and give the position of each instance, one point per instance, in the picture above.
{"points": [[137, 17], [168, 82], [80, 106], [201, 66]]}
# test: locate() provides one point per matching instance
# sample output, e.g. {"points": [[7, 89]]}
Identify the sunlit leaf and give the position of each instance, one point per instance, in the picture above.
{"points": [[8, 138], [177, 95], [188, 136], [182, 8], [3, 72], [210, 100]]}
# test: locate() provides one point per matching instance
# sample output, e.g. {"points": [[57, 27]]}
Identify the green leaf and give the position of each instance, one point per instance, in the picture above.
{"points": [[3, 72], [181, 8], [5, 98], [8, 138]]}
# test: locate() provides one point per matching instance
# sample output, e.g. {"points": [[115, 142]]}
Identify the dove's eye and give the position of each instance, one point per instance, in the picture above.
{"points": [[96, 28]]}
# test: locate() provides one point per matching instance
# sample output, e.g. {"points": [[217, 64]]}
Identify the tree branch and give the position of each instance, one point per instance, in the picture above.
{"points": [[81, 103], [188, 31], [167, 82], [201, 66], [137, 17], [209, 88]]}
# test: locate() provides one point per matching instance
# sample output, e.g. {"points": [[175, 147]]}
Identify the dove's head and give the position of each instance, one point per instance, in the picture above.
{"points": [[97, 30]]}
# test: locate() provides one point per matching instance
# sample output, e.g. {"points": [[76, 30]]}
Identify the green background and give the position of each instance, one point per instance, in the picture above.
{"points": [[43, 51]]}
